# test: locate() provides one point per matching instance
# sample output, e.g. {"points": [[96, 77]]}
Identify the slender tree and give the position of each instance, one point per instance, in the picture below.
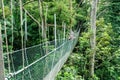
{"points": [[70, 3], [0, 3], [93, 36], [43, 22], [1, 53], [1, 58]]}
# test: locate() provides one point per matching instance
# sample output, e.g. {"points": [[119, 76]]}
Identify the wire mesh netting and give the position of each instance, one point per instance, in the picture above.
{"points": [[42, 59], [31, 53]]}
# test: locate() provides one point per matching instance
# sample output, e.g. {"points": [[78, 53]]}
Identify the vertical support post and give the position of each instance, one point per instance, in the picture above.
{"points": [[12, 20], [55, 29], [64, 30], [25, 39], [21, 25], [55, 41], [12, 27], [2, 77], [25, 26], [46, 27], [6, 40], [41, 16]]}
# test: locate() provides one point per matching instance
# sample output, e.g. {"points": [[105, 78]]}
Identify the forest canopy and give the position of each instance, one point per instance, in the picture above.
{"points": [[75, 14]]}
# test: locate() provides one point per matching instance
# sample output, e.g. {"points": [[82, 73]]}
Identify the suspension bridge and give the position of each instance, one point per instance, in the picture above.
{"points": [[39, 62]]}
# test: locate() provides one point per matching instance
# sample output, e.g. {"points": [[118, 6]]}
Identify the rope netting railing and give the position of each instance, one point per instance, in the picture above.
{"points": [[32, 53], [46, 66]]}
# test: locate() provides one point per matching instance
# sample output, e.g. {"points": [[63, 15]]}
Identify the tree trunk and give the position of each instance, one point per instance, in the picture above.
{"points": [[43, 21], [70, 6], [1, 58], [0, 3], [93, 37]]}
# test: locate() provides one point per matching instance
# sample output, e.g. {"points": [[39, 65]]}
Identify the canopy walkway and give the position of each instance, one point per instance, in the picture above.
{"points": [[47, 66], [39, 62]]}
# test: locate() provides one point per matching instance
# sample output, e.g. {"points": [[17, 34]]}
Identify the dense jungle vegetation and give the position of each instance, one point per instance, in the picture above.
{"points": [[107, 65], [74, 13]]}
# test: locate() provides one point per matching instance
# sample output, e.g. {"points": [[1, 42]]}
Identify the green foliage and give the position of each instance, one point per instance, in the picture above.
{"points": [[7, 11], [109, 9], [108, 53], [106, 60], [61, 9], [71, 70], [105, 52]]}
